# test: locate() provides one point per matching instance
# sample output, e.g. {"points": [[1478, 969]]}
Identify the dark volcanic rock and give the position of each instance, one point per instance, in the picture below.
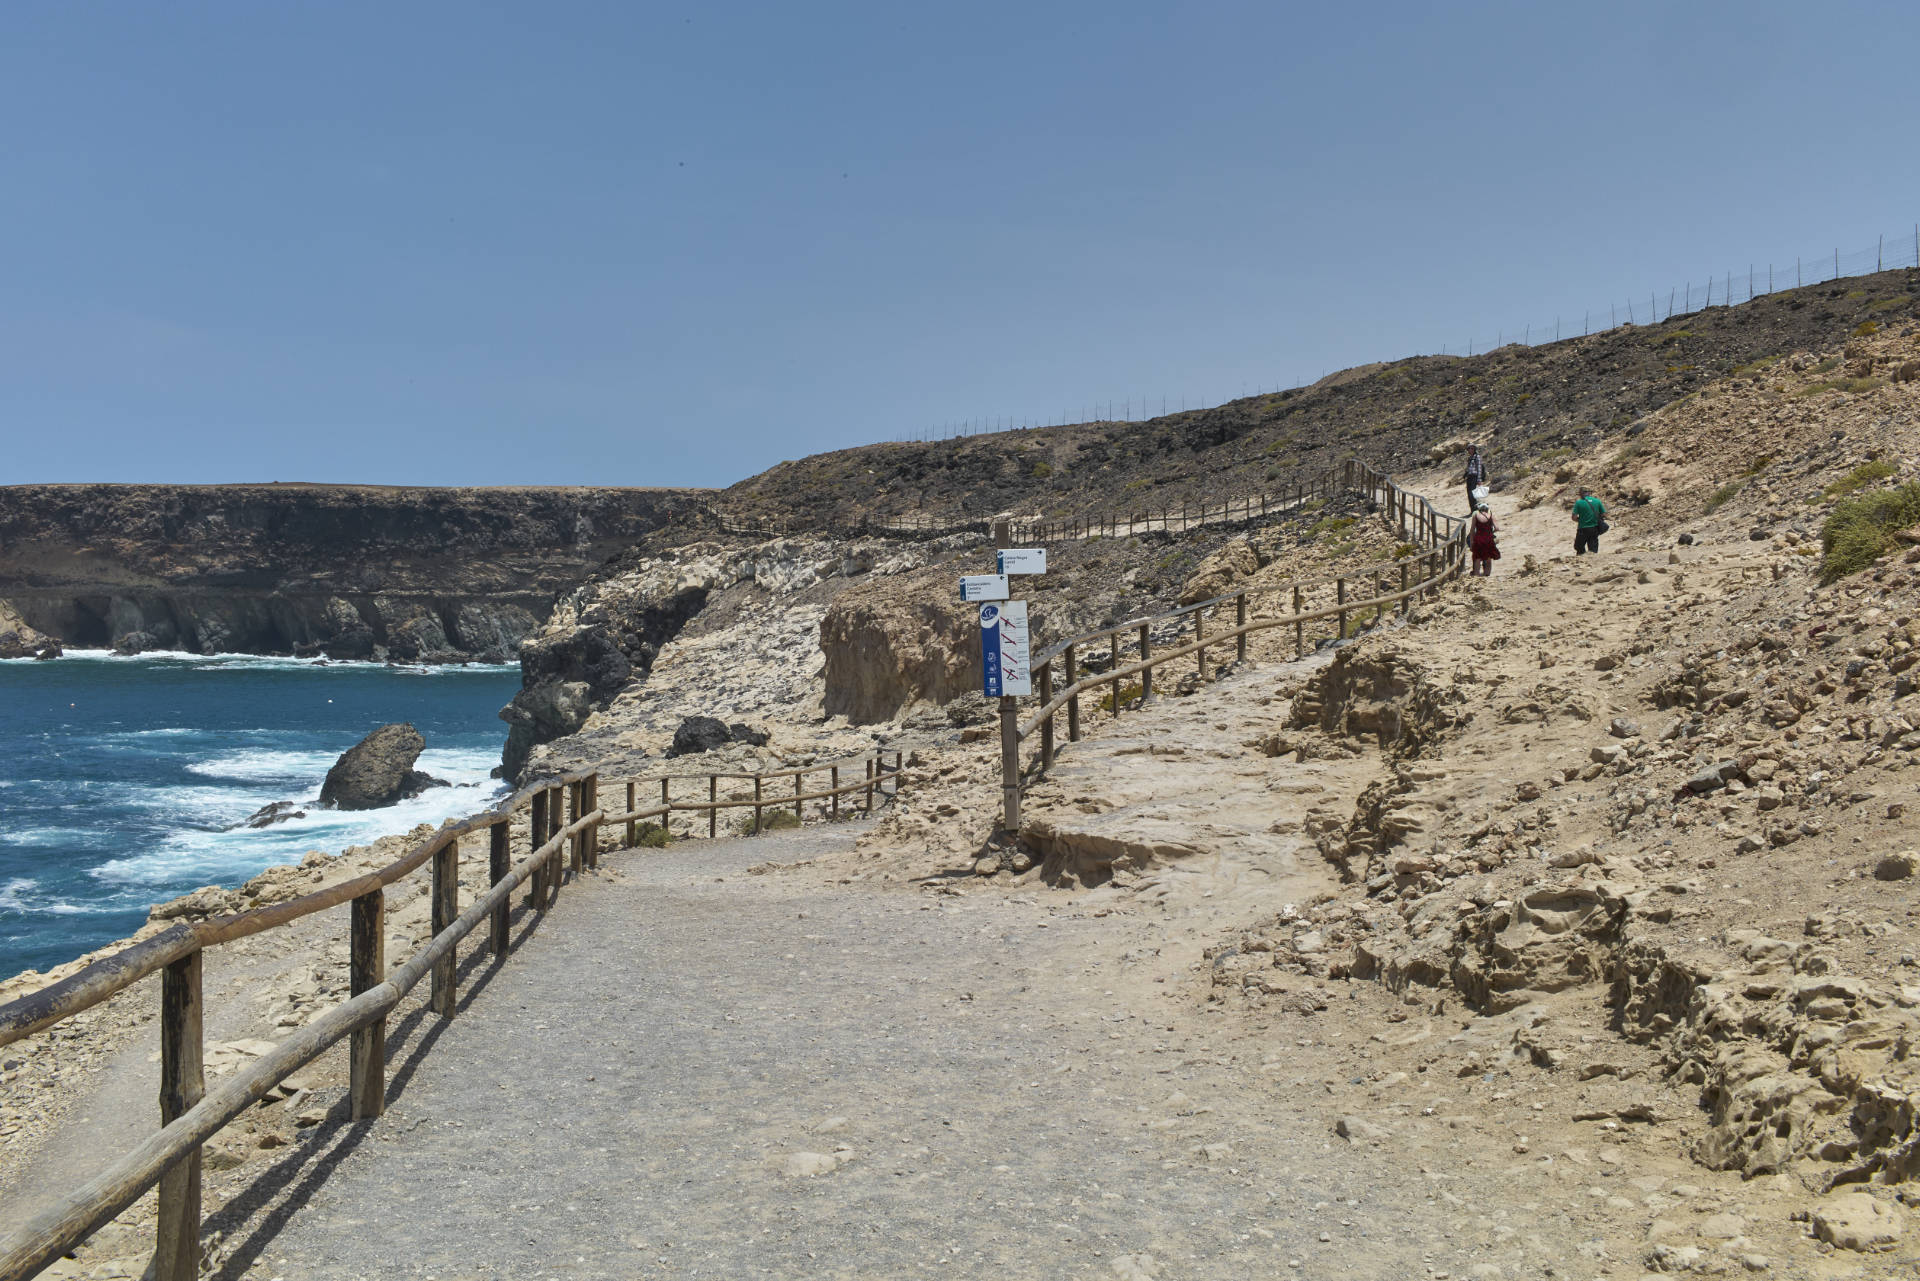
{"points": [[344, 570], [699, 734], [135, 643], [278, 812], [378, 770], [744, 733], [540, 715]]}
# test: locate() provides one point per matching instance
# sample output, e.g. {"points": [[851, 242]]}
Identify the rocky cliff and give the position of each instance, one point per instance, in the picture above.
{"points": [[349, 571]]}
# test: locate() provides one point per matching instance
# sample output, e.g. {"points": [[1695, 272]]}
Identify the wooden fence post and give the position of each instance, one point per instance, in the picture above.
{"points": [[869, 792], [536, 837], [176, 1251], [590, 839], [575, 858], [1146, 674], [756, 805], [633, 824], [1299, 628], [555, 823], [1340, 598], [1200, 634], [499, 865], [366, 970], [1073, 700], [1240, 620], [713, 805], [833, 785], [1403, 589], [796, 793], [444, 909], [1046, 726]]}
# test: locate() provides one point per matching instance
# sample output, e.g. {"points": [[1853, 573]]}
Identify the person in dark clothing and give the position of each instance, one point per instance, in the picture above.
{"points": [[1476, 476], [1589, 519]]}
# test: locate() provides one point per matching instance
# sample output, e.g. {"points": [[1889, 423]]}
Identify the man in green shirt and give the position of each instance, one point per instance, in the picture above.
{"points": [[1589, 515]]}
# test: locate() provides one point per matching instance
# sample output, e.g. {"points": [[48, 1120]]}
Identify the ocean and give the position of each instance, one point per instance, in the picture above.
{"points": [[122, 780]]}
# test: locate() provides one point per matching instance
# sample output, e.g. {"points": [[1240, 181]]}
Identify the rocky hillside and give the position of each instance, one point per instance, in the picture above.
{"points": [[1517, 401], [343, 570]]}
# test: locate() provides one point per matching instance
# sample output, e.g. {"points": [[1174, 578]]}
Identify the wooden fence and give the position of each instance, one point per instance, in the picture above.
{"points": [[1393, 585], [1034, 530], [563, 816]]}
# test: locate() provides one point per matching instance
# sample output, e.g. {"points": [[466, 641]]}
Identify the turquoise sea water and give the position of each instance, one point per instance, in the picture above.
{"points": [[121, 779]]}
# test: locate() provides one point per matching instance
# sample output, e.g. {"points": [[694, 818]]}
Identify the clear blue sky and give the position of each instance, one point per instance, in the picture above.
{"points": [[482, 243]]}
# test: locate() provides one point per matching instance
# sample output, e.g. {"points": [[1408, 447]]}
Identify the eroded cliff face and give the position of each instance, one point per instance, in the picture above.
{"points": [[353, 572]]}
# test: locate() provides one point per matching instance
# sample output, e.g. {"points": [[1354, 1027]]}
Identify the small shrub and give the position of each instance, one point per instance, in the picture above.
{"points": [[1754, 366], [1860, 477], [1853, 386], [1723, 495], [1888, 304], [1042, 470], [1672, 335], [1555, 454], [1523, 398], [1134, 486], [1860, 530], [771, 820], [652, 836], [1330, 525], [1827, 366], [1482, 415], [1866, 329], [1856, 293], [1127, 694]]}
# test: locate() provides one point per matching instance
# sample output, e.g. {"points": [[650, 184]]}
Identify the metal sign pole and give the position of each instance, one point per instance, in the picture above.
{"points": [[1009, 724]]}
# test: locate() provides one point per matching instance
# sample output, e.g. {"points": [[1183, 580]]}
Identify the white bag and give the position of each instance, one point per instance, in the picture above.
{"points": [[1480, 493]]}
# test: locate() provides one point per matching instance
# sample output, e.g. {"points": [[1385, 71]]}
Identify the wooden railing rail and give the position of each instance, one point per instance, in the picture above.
{"points": [[190, 1115], [1415, 518]]}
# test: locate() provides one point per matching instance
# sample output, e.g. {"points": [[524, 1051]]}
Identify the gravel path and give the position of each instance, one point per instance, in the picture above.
{"points": [[699, 1072]]}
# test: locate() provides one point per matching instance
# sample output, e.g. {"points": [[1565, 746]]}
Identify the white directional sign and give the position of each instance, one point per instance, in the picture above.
{"points": [[1023, 560], [1004, 655], [983, 587]]}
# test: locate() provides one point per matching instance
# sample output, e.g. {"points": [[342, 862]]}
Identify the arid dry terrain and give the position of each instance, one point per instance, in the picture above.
{"points": [[1563, 925]]}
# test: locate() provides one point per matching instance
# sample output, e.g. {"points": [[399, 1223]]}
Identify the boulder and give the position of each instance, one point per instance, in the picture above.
{"points": [[741, 732], [1217, 574], [1857, 1221], [378, 770], [17, 640], [134, 643], [893, 642], [700, 734], [540, 715]]}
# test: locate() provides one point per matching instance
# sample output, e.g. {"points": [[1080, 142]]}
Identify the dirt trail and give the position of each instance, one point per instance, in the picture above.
{"points": [[711, 1073]]}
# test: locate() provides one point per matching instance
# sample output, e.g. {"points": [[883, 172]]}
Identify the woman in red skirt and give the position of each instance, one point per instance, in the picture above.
{"points": [[1481, 541]]}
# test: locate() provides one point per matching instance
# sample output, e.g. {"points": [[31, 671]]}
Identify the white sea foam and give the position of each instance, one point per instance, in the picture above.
{"points": [[271, 662], [203, 857], [267, 765], [13, 895]]}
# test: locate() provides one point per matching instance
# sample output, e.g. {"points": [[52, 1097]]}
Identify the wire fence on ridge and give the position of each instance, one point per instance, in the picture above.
{"points": [[1721, 286]]}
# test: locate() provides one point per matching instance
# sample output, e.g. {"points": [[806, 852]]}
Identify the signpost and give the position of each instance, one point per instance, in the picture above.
{"points": [[1004, 652], [1023, 560], [984, 587]]}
